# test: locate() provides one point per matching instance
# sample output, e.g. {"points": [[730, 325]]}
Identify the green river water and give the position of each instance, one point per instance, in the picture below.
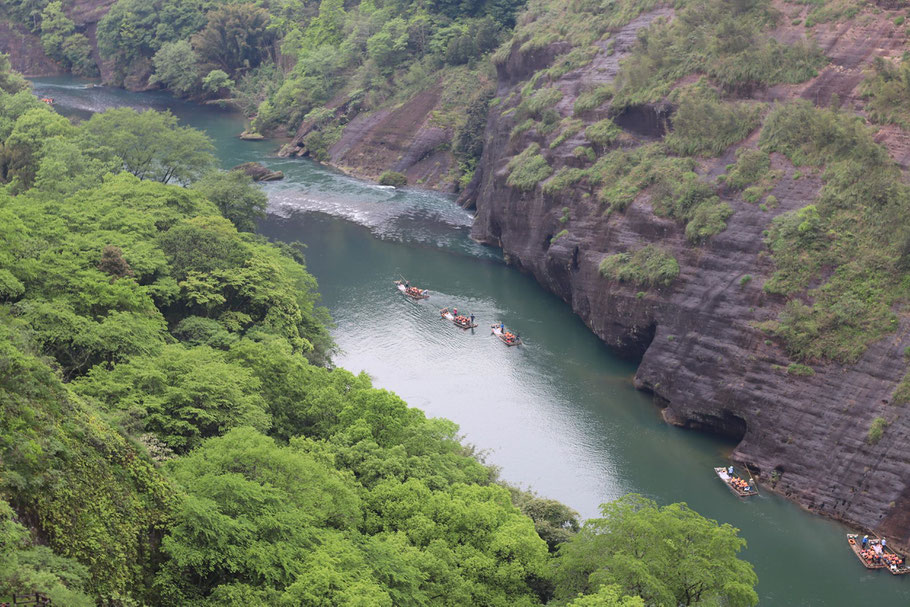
{"points": [[559, 414]]}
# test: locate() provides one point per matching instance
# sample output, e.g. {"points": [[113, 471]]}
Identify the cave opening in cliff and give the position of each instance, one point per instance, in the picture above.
{"points": [[645, 120], [727, 424]]}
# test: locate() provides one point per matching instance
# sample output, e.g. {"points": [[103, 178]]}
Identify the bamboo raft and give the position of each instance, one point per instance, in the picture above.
{"points": [[459, 321], [728, 481], [412, 292], [504, 336], [892, 561], [853, 540]]}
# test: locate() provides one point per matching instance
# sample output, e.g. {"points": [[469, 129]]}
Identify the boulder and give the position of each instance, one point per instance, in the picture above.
{"points": [[258, 172]]}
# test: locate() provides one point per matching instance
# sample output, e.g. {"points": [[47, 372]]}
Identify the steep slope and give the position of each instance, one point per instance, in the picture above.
{"points": [[703, 338]]}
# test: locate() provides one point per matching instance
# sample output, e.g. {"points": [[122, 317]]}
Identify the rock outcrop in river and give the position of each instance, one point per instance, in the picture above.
{"points": [[702, 354]]}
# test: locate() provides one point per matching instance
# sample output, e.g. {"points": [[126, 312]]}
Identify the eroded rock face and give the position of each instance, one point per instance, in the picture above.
{"points": [[26, 54], [24, 48], [402, 139], [701, 354]]}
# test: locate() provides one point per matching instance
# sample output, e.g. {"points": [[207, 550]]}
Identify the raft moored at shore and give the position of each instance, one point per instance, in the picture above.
{"points": [[459, 321], [737, 485], [412, 292], [876, 556], [507, 337]]}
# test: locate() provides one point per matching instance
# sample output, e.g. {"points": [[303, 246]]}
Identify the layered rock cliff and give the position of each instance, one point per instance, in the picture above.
{"points": [[702, 354]]}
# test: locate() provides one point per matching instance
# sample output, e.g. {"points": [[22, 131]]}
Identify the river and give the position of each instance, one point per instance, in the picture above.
{"points": [[558, 415]]}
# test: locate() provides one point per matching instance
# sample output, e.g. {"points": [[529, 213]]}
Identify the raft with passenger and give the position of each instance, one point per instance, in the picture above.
{"points": [[508, 337], [866, 555], [738, 486], [412, 292], [873, 554], [458, 320]]}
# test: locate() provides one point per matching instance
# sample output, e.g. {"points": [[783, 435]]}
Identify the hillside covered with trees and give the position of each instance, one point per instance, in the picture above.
{"points": [[172, 430]]}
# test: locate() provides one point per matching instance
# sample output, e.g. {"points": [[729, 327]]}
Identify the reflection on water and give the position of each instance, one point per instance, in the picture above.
{"points": [[558, 414]]}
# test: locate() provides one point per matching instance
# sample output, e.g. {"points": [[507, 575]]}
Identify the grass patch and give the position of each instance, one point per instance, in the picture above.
{"points": [[559, 235], [901, 394], [535, 104], [564, 178], [570, 127], [704, 125], [800, 370], [602, 133], [876, 430], [593, 99], [852, 245], [648, 266], [753, 175], [723, 41], [580, 24], [826, 11], [528, 169], [887, 91]]}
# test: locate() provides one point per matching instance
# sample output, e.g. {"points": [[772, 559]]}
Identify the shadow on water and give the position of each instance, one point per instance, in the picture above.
{"points": [[558, 414]]}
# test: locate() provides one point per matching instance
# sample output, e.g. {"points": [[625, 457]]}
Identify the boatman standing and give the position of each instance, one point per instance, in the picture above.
{"points": [[472, 319], [730, 470]]}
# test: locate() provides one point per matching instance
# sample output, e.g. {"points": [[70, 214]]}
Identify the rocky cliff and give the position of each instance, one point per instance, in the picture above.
{"points": [[403, 139], [702, 354]]}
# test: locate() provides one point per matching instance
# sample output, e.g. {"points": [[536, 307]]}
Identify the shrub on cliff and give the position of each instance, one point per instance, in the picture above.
{"points": [[703, 124], [851, 242], [876, 430], [718, 39], [751, 166], [528, 169], [887, 87], [393, 178], [602, 133], [648, 266]]}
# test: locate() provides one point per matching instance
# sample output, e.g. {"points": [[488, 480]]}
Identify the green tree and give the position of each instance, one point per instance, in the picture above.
{"points": [[254, 514], [236, 38], [236, 196], [175, 67], [22, 150], [182, 395], [10, 82], [151, 144], [607, 596], [669, 556], [216, 81]]}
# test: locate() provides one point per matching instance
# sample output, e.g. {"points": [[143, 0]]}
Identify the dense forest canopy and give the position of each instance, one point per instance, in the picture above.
{"points": [[172, 430]]}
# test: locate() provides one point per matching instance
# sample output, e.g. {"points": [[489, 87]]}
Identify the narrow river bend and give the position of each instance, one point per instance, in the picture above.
{"points": [[558, 415]]}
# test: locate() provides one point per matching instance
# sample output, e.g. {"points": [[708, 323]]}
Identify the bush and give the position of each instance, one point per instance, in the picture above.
{"points": [[705, 125], [712, 38], [751, 166], [648, 266], [393, 178], [528, 169], [539, 101], [602, 133], [876, 430], [800, 370], [901, 394], [593, 99]]}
